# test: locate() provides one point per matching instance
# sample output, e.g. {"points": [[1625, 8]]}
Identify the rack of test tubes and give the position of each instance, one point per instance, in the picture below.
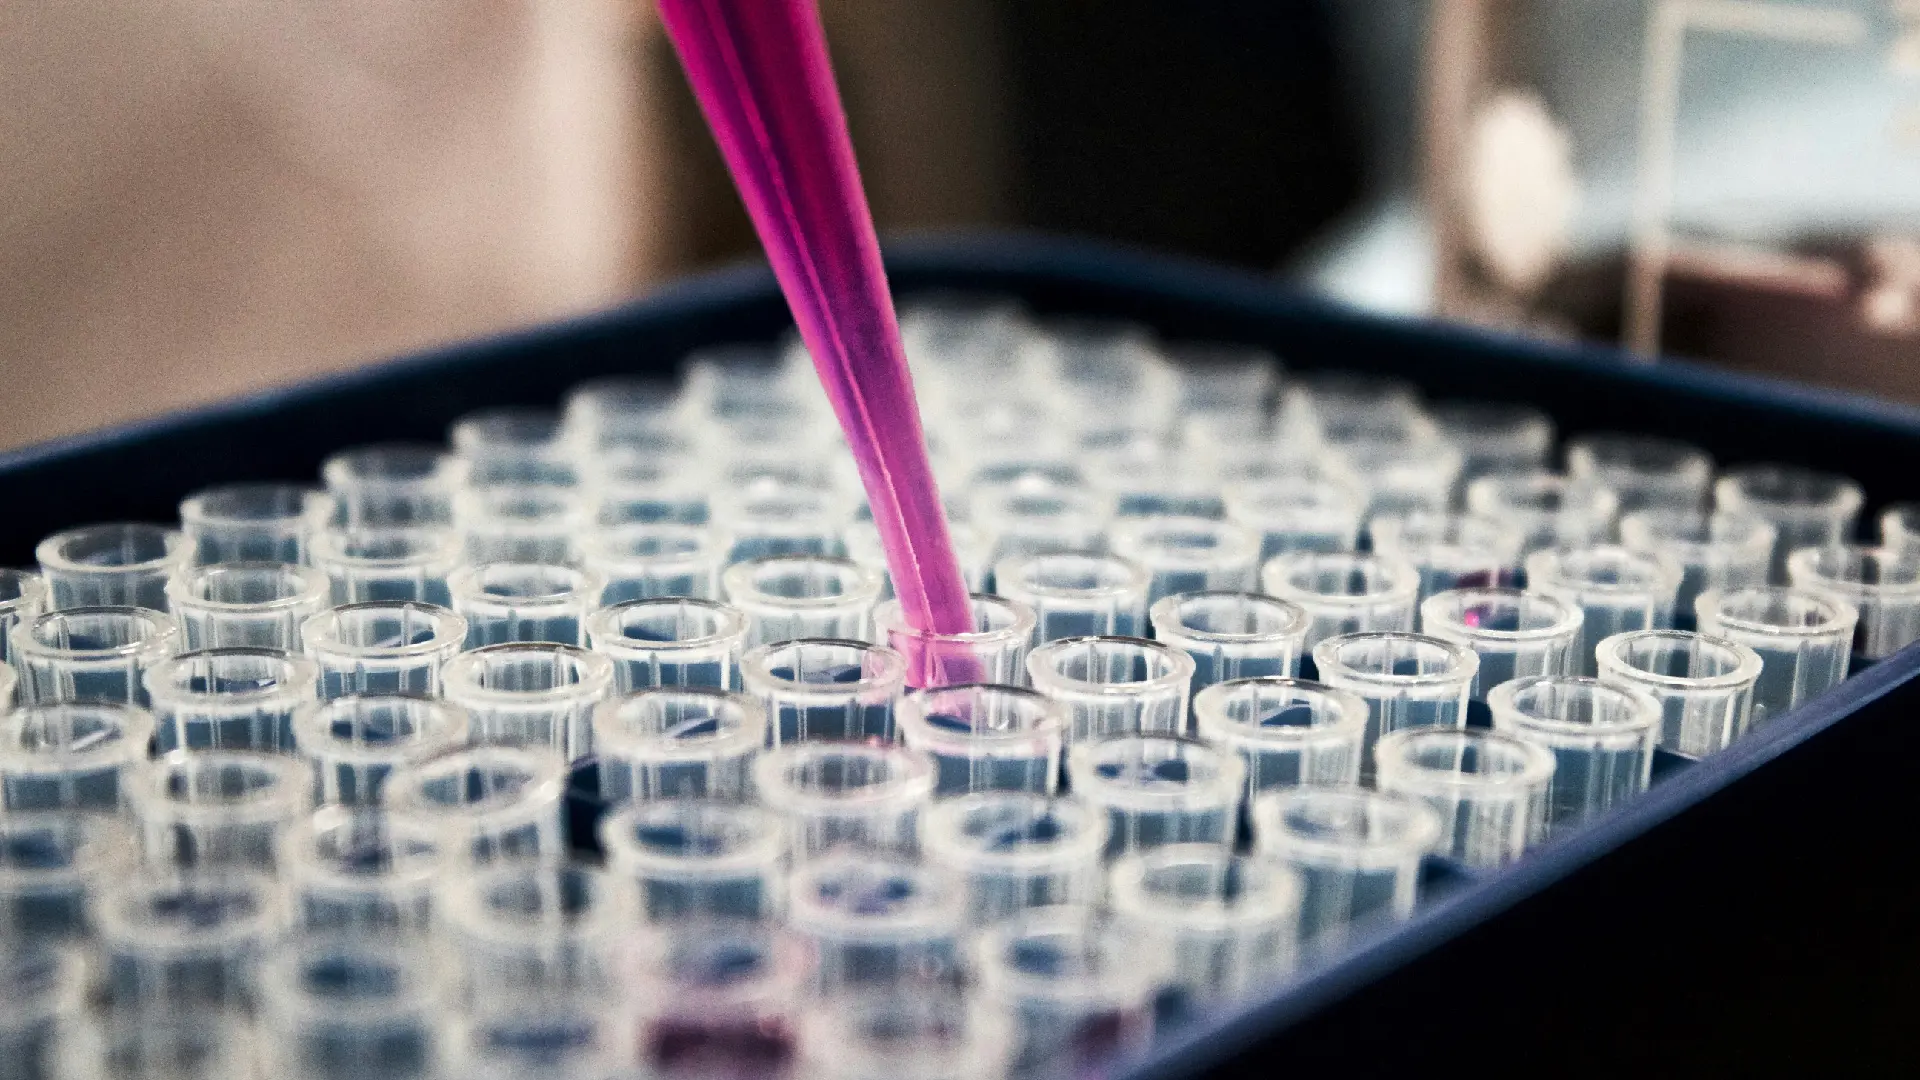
{"points": [[587, 745]]}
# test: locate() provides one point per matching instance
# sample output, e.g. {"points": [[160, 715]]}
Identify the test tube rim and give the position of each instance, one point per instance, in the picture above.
{"points": [[545, 772], [1730, 489], [914, 785], [1236, 542], [940, 827], [766, 849], [289, 794], [1502, 703], [30, 590], [461, 904], [459, 681], [1540, 580], [312, 731], [1756, 545], [51, 556], [1483, 493], [614, 738], [1537, 768], [200, 508], [1805, 571], [269, 915], [1465, 663], [129, 748], [295, 860], [1230, 779], [889, 619], [1402, 580], [1164, 616], [604, 636], [183, 588], [1421, 827], [1691, 464], [597, 545], [1208, 713], [1839, 615], [1746, 670], [337, 476], [757, 675], [477, 506], [319, 631], [281, 997], [1572, 616], [818, 920], [1130, 900], [1121, 985], [468, 585], [910, 715], [26, 640], [737, 582], [1010, 569], [300, 678], [1178, 676], [441, 545]]}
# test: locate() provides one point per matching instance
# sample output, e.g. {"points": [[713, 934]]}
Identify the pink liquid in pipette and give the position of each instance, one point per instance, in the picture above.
{"points": [[761, 73]]}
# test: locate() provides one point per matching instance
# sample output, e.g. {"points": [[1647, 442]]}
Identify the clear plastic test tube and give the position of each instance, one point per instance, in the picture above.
{"points": [[535, 925], [389, 647], [41, 1017], [521, 1034], [1806, 508], [624, 410], [1344, 593], [1616, 589], [245, 605], [786, 597], [188, 938], [1081, 991], [1804, 640], [846, 795], [347, 1007], [363, 869], [719, 999], [505, 602], [1882, 584], [1407, 681], [1357, 854], [487, 802], [365, 565], [217, 808], [926, 1032], [73, 756], [356, 743], [230, 699], [877, 920], [641, 562], [90, 654], [693, 859], [1015, 851], [1231, 923], [1601, 737], [1287, 731], [1546, 510], [515, 446], [1298, 513], [1900, 526], [1449, 551], [1033, 517], [986, 737], [393, 485], [1704, 684], [1232, 635], [1188, 554], [23, 596], [1159, 789], [123, 564], [678, 742], [1645, 471], [1495, 437], [1076, 594], [1713, 551], [776, 517], [253, 522], [669, 642], [54, 868], [526, 523], [530, 693], [825, 689], [1515, 634], [994, 651], [1489, 789], [1114, 685]]}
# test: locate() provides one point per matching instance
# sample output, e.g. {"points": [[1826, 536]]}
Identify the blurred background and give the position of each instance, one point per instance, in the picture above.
{"points": [[211, 196]]}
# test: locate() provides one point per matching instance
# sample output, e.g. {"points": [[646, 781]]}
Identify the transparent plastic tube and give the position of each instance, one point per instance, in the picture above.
{"points": [[521, 523], [1545, 509], [520, 1034], [678, 742], [669, 642], [23, 596], [1449, 551], [245, 605], [1159, 789], [149, 1045], [1804, 641], [1073, 595], [356, 743], [1149, 478], [535, 925], [1188, 554], [1645, 471], [217, 808], [874, 920], [825, 689], [695, 859], [364, 870], [1114, 685], [1882, 584], [1900, 526], [1495, 437], [1489, 789], [1704, 684], [1713, 551], [90, 654], [54, 869], [71, 756], [1344, 593], [1408, 474], [1017, 851], [986, 737], [230, 699], [253, 522], [514, 447], [1357, 854], [1081, 992], [1287, 731], [487, 802], [1407, 681], [776, 518], [42, 1013], [1033, 518], [995, 651], [186, 939], [665, 481], [787, 597], [860, 796], [1348, 397], [1617, 590], [1298, 513], [343, 1008], [389, 565], [110, 565], [505, 602], [1806, 508], [530, 693], [720, 999], [930, 1033], [393, 485], [641, 562], [1601, 737], [1515, 634], [1231, 923], [1232, 635], [391, 647], [624, 410]]}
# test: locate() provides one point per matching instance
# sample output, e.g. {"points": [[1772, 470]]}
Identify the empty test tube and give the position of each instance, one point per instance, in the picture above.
{"points": [[530, 693], [347, 1007], [1489, 789], [188, 938], [1344, 593], [1016, 851], [1806, 508], [1515, 634], [874, 920], [356, 743], [55, 866], [505, 602], [846, 795], [1804, 640], [1298, 513], [363, 869], [640, 562], [720, 998], [1407, 681], [669, 642], [90, 654], [1114, 685], [23, 596], [1232, 635], [1616, 589], [229, 699], [1406, 473], [487, 802], [1188, 554], [927, 1032], [775, 517], [520, 1034], [1646, 472], [39, 1017], [217, 808], [1356, 852], [1495, 437], [1601, 737], [1450, 551], [245, 605], [986, 737], [1081, 991], [393, 485], [1704, 684], [786, 597], [1287, 731], [1900, 526], [1030, 517], [1545, 509], [1147, 477], [697, 859], [621, 410], [994, 651], [678, 742], [73, 756], [520, 925], [526, 523], [253, 522], [1159, 789], [110, 565], [1076, 594], [1882, 584], [1229, 922], [368, 565], [825, 689], [1721, 550], [515, 447], [387, 647]]}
